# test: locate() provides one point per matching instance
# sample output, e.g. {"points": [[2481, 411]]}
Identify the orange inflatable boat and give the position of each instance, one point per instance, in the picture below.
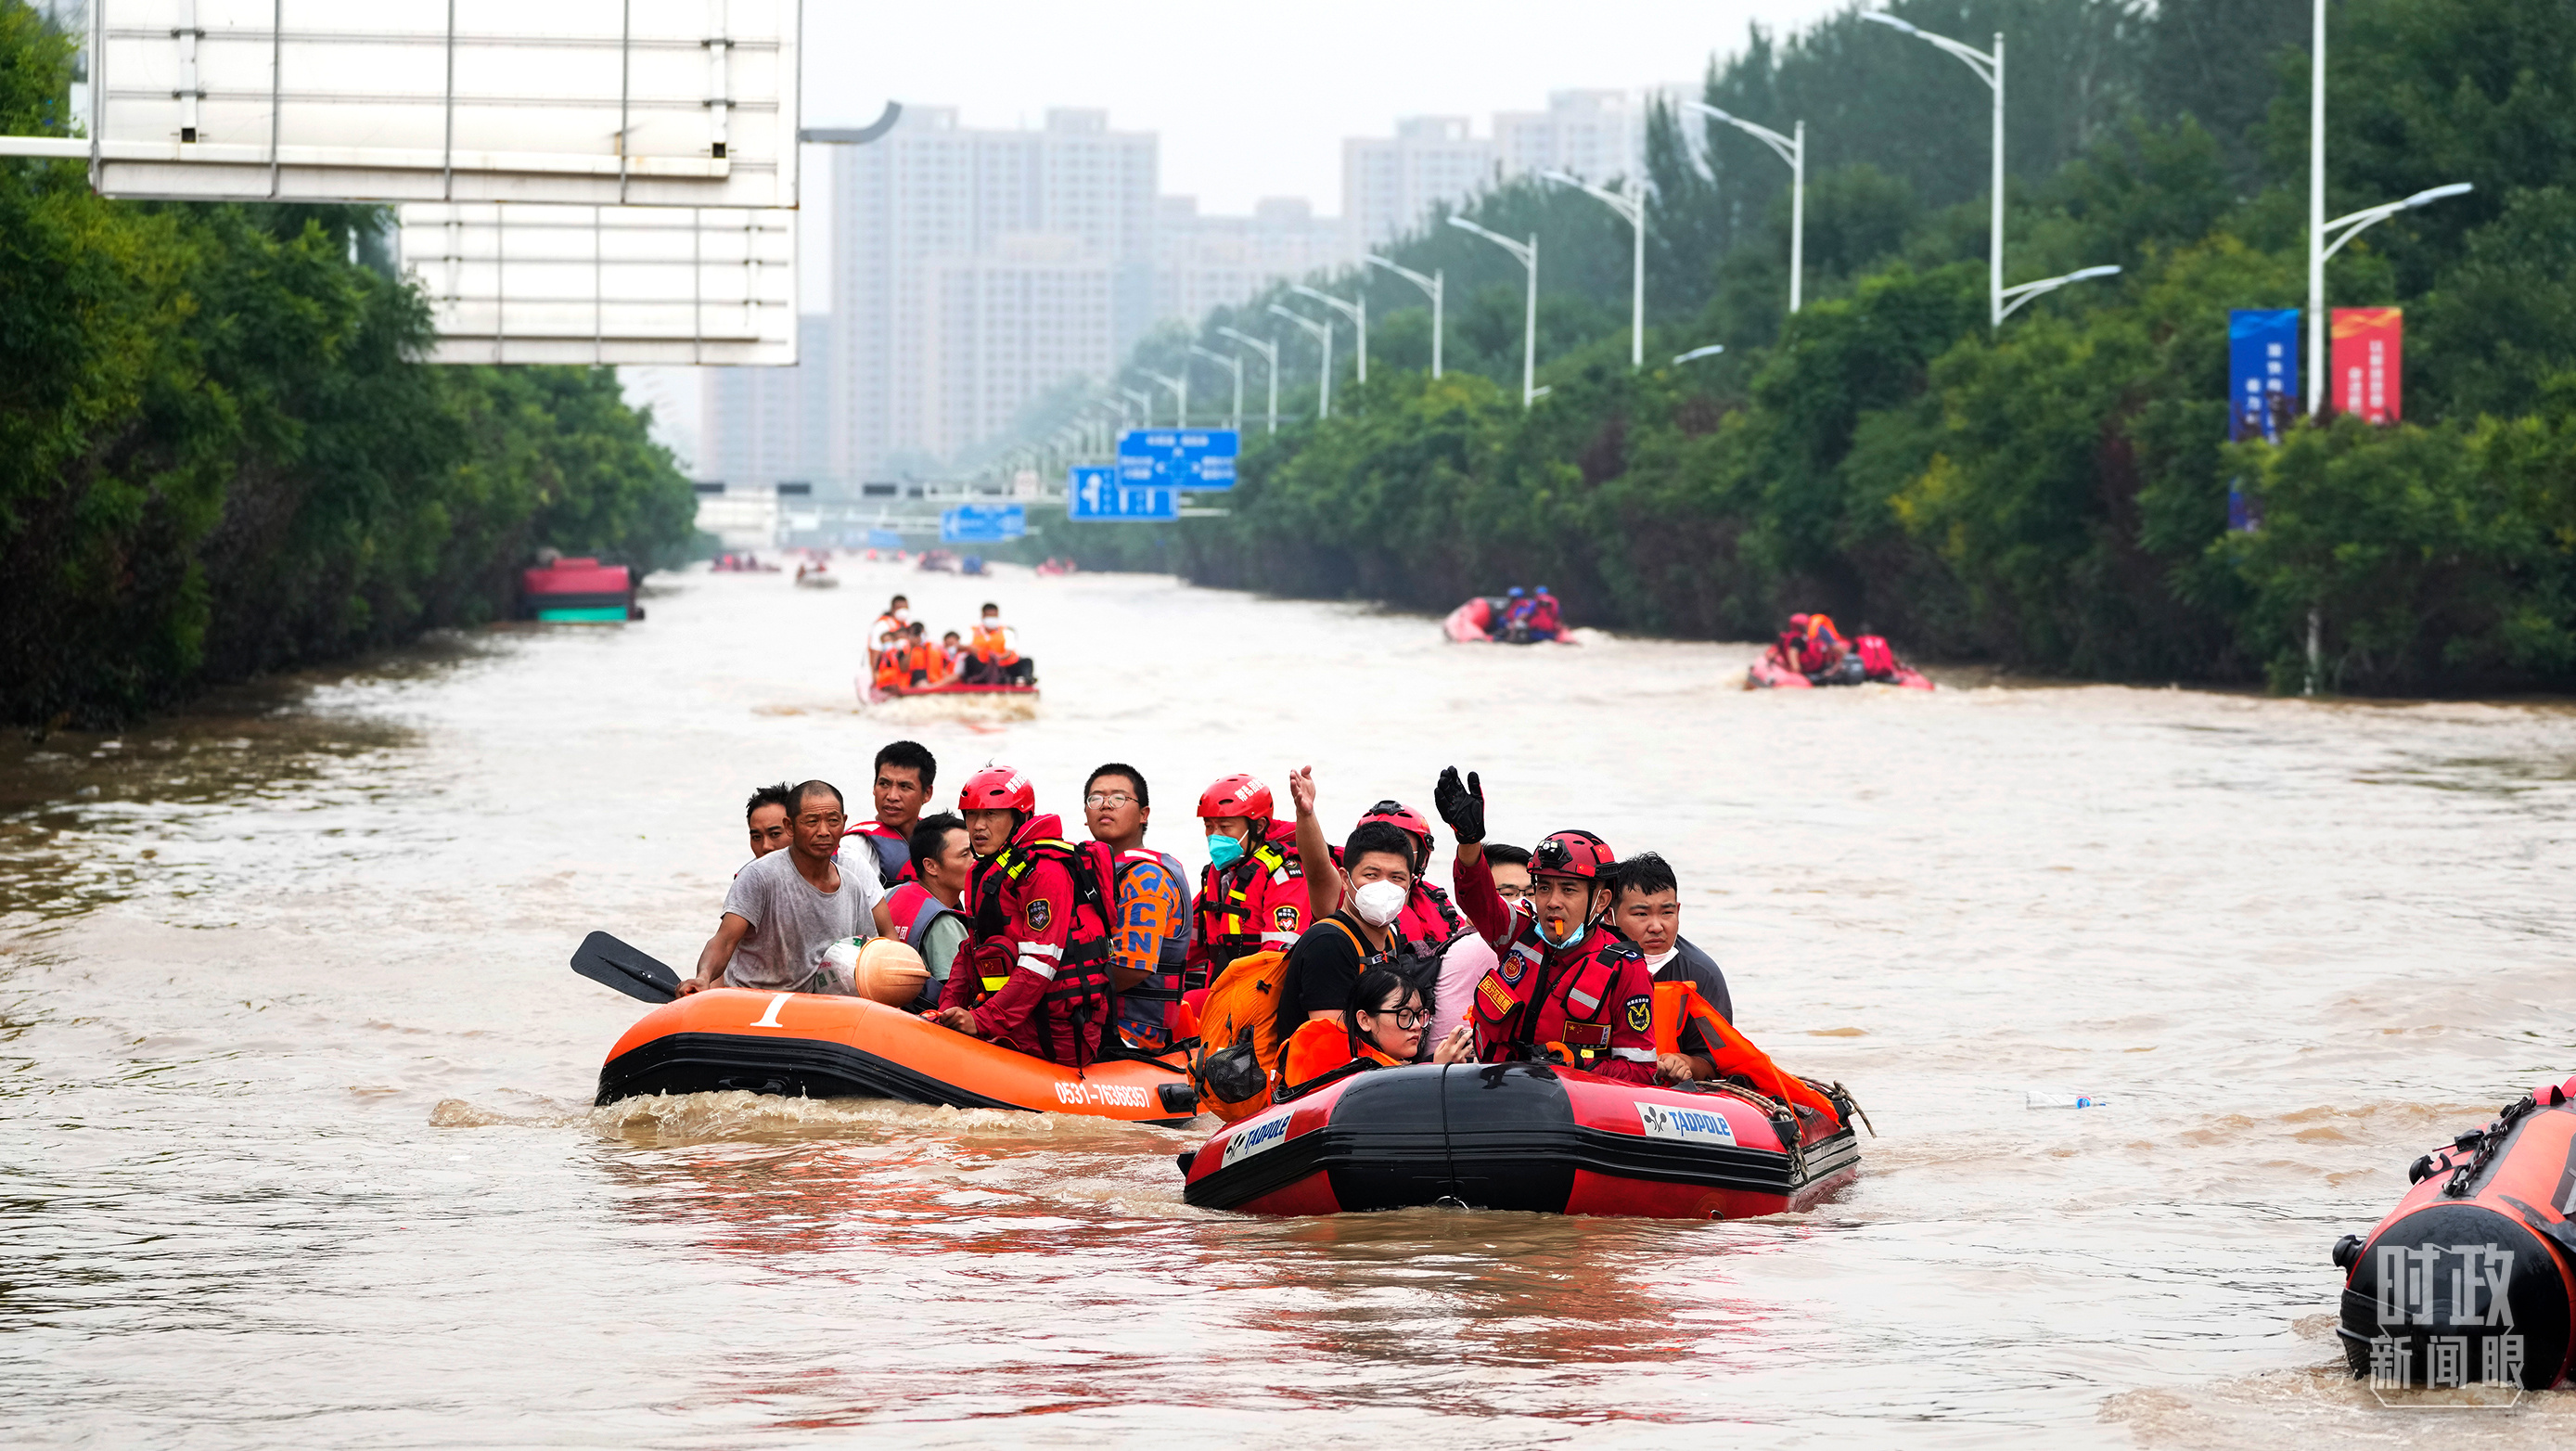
{"points": [[813, 1046], [2472, 1277]]}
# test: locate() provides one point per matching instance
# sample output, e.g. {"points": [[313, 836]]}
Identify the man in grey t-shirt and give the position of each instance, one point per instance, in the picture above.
{"points": [[786, 908]]}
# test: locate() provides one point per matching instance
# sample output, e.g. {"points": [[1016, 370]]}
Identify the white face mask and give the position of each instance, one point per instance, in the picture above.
{"points": [[1378, 902], [902, 616]]}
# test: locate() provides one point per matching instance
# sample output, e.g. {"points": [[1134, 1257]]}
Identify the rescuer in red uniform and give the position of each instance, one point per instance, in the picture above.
{"points": [[1566, 988], [1253, 894], [1035, 971]]}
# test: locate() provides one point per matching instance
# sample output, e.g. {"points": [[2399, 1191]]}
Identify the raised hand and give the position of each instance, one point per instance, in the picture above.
{"points": [[1301, 790], [1461, 804]]}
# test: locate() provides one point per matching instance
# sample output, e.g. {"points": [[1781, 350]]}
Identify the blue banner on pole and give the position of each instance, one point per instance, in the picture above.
{"points": [[884, 539], [983, 523], [1182, 458], [1102, 493], [2262, 372], [2262, 390]]}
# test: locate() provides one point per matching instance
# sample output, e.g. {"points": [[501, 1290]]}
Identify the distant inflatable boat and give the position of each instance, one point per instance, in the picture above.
{"points": [[1862, 666], [1527, 1137], [1473, 624], [578, 591], [806, 1045]]}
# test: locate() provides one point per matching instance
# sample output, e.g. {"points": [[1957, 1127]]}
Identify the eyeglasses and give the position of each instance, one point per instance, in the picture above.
{"points": [[1107, 798], [1407, 1018]]}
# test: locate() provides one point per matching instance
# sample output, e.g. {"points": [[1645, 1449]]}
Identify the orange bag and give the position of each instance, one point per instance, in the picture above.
{"points": [[1680, 1002], [1239, 1036]]}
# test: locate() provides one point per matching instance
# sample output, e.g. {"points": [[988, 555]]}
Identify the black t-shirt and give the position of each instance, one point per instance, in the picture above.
{"points": [[1323, 967]]}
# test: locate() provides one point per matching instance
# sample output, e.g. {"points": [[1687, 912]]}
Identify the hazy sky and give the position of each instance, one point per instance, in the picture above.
{"points": [[1265, 114]]}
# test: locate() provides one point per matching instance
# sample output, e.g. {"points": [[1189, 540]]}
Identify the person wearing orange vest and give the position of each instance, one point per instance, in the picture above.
{"points": [[1380, 1027], [1150, 937], [1035, 975], [1818, 646], [1566, 987], [997, 663]]}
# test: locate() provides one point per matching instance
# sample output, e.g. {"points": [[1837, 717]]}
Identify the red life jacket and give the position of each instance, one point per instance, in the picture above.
{"points": [[914, 910], [1246, 907], [1081, 990], [1537, 996]]}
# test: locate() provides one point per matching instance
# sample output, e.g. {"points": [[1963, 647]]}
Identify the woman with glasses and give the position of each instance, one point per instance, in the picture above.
{"points": [[1380, 1027]]}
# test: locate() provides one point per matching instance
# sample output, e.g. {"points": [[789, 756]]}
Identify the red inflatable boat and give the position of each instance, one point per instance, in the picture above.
{"points": [[1871, 661], [1473, 624], [2472, 1277], [1529, 1137]]}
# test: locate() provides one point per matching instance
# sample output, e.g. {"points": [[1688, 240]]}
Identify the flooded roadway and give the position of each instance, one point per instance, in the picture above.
{"points": [[295, 1086]]}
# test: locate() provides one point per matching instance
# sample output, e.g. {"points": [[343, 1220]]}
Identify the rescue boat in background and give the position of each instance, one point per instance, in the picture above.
{"points": [[811, 1046], [2472, 1277], [949, 702], [1472, 624], [1528, 1137], [1871, 661]]}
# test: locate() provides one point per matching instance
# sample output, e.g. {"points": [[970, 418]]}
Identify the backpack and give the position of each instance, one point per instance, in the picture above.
{"points": [[1875, 656], [1239, 1036]]}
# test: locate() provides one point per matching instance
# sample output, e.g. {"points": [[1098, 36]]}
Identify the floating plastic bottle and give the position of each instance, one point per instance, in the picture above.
{"points": [[2037, 1099]]}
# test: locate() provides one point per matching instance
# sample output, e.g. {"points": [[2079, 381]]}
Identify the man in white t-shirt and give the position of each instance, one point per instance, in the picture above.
{"points": [[785, 909]]}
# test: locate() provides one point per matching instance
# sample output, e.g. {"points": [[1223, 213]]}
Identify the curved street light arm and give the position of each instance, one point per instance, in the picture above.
{"points": [[1347, 310], [1712, 350], [2352, 226], [1781, 146], [1430, 286], [1517, 249], [1976, 60], [1630, 209], [2024, 292], [1265, 348], [1314, 329]]}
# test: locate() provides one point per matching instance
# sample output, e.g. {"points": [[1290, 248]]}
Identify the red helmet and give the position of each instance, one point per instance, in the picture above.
{"points": [[997, 788], [1572, 854], [1236, 796], [1404, 818]]}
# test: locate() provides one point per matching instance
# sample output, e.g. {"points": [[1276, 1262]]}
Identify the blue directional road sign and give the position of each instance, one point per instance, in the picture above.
{"points": [[983, 523], [1100, 493], [1183, 458]]}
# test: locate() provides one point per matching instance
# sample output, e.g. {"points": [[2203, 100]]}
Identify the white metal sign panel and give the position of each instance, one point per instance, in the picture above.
{"points": [[605, 102], [523, 283]]}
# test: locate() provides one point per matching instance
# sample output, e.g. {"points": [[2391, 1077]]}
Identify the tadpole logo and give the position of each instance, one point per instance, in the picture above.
{"points": [[1257, 1136]]}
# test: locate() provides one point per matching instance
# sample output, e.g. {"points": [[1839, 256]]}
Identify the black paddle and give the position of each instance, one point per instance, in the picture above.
{"points": [[634, 972]]}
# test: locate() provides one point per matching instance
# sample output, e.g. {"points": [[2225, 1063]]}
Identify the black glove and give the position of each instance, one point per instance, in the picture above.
{"points": [[1462, 805]]}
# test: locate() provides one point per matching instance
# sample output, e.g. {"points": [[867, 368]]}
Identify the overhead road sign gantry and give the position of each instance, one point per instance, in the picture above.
{"points": [[591, 102], [983, 523], [1096, 492], [678, 286], [1199, 459]]}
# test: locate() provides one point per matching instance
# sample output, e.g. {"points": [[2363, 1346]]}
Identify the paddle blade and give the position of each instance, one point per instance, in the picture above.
{"points": [[636, 973]]}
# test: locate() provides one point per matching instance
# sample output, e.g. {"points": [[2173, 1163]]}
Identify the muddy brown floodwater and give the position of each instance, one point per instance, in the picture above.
{"points": [[295, 1085]]}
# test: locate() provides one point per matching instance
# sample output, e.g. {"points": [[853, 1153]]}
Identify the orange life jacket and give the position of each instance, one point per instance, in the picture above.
{"points": [[993, 645], [893, 667], [1322, 1046], [1240, 1017], [1679, 1003], [925, 660]]}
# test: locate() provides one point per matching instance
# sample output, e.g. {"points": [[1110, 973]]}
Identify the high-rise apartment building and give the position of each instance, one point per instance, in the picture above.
{"points": [[1595, 135], [1206, 262], [1389, 184], [973, 270], [762, 425]]}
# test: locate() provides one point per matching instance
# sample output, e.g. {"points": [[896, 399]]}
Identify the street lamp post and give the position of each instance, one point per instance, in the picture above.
{"points": [[1990, 69], [1793, 150], [1180, 387], [1144, 405], [2024, 292], [1269, 352], [1356, 312], [1321, 332], [1527, 253], [1431, 286], [2343, 229], [1631, 209], [1234, 420]]}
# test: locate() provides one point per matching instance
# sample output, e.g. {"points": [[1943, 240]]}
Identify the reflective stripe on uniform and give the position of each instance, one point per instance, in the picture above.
{"points": [[1633, 1055], [1283, 939], [1041, 949], [1576, 995], [1038, 965]]}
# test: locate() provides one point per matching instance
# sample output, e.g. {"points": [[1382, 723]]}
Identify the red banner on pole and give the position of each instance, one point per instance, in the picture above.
{"points": [[2367, 352]]}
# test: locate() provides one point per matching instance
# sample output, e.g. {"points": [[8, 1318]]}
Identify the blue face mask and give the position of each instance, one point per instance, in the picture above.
{"points": [[1223, 851]]}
